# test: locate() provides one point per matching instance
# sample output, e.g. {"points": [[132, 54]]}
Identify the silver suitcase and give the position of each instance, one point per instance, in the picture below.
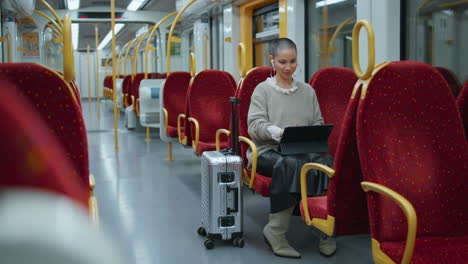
{"points": [[221, 197]]}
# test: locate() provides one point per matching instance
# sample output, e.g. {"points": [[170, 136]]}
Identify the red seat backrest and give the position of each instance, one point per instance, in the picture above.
{"points": [[135, 91], [56, 103], [451, 79], [333, 87], [174, 96], [30, 156], [156, 75], [411, 140], [462, 103], [126, 88], [208, 102], [254, 77]]}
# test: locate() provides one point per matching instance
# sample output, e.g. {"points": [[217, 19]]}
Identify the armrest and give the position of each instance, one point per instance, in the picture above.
{"points": [[327, 226], [133, 101], [253, 147], [197, 133], [166, 120], [179, 127], [137, 106], [218, 134], [92, 201], [407, 209], [92, 183]]}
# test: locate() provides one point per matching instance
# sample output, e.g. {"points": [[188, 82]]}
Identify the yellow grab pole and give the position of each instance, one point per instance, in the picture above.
{"points": [[8, 42], [148, 41], [114, 96], [96, 30], [168, 58], [171, 32], [89, 75]]}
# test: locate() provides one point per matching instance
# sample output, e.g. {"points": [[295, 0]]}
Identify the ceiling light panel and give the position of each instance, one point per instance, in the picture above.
{"points": [[73, 4], [135, 5]]}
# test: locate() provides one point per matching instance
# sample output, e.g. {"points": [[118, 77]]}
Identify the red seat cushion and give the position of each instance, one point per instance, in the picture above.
{"points": [[411, 140], [126, 89], [440, 250], [172, 131], [209, 146], [317, 207], [31, 157], [53, 99], [462, 104], [333, 87], [451, 79], [262, 184], [174, 96], [208, 102]]}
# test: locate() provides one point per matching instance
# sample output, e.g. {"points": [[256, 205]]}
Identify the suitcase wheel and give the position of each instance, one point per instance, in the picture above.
{"points": [[209, 244], [201, 231], [238, 242]]}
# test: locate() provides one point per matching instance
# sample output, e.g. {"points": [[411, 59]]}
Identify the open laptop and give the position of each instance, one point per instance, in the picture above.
{"points": [[305, 139]]}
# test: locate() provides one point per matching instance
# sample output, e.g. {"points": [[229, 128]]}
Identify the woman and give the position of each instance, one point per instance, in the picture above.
{"points": [[279, 102]]}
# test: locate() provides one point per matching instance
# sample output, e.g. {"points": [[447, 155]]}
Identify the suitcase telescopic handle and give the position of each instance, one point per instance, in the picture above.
{"points": [[236, 200], [235, 125]]}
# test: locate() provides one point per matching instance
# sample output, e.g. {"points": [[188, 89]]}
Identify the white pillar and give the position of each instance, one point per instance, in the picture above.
{"points": [[201, 30], [296, 33], [384, 15], [231, 31]]}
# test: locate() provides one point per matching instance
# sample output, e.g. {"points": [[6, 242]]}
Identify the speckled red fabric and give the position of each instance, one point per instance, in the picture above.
{"points": [[174, 97], [333, 87], [440, 250], [410, 139], [31, 156], [52, 100], [135, 90], [126, 89], [317, 207], [451, 79], [208, 102], [244, 93], [345, 200], [462, 103]]}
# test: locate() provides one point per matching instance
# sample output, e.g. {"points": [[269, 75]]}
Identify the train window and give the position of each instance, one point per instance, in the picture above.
{"points": [[330, 25], [1, 35], [437, 33], [265, 30]]}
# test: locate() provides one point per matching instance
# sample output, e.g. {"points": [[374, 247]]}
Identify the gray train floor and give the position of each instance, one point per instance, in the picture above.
{"points": [[151, 207]]}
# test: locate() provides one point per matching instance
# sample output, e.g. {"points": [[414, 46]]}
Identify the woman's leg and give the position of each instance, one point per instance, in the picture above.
{"points": [[281, 207]]}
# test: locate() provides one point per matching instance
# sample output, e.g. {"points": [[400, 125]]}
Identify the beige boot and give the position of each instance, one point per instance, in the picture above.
{"points": [[275, 234], [327, 247]]}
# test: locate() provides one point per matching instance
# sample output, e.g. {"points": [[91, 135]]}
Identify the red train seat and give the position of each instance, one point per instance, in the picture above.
{"points": [[126, 91], [343, 211], [414, 158], [261, 184], [462, 103], [451, 79], [208, 106], [31, 156], [57, 103]]}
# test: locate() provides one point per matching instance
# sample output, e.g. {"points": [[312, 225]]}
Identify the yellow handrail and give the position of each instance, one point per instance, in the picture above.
{"points": [[59, 33], [60, 27], [125, 59], [192, 64], [241, 59], [89, 73], [407, 209], [68, 56], [335, 34], [120, 56], [171, 32], [114, 96], [135, 53], [148, 41], [371, 50], [52, 11], [205, 51], [96, 33]]}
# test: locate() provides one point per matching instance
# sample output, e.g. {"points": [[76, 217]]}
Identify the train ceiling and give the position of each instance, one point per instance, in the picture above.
{"points": [[86, 30]]}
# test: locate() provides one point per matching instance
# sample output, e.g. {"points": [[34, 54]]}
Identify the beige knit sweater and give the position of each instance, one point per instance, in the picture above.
{"points": [[270, 106]]}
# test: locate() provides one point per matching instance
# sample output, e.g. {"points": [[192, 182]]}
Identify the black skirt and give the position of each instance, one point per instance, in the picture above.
{"points": [[285, 171]]}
